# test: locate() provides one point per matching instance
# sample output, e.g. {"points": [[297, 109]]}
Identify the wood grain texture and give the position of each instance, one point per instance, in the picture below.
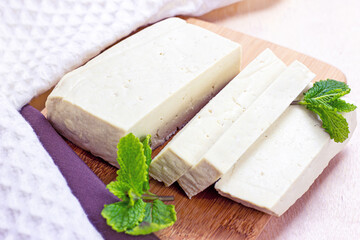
{"points": [[208, 215]]}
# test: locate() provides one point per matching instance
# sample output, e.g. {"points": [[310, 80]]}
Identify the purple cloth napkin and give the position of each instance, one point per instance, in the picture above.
{"points": [[84, 184]]}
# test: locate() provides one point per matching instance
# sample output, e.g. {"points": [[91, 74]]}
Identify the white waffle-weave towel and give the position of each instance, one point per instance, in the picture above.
{"points": [[40, 40]]}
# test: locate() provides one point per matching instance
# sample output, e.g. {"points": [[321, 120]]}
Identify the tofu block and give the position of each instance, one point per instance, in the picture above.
{"points": [[152, 82], [189, 145], [247, 129], [283, 163]]}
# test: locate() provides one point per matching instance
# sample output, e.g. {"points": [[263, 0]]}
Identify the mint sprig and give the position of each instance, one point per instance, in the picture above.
{"points": [[140, 211], [324, 100]]}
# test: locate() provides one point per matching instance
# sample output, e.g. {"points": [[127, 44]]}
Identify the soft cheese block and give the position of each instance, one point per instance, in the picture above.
{"points": [[188, 146], [151, 83], [247, 129], [283, 163]]}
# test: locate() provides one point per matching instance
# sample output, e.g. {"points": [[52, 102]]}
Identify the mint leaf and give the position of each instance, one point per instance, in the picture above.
{"points": [[147, 149], [340, 105], [324, 100], [119, 189], [147, 153], [333, 123], [120, 216], [133, 169], [157, 216], [326, 91]]}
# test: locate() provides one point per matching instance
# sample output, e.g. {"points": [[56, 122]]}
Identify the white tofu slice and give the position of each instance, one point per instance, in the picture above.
{"points": [[283, 163], [190, 144], [151, 83], [247, 129]]}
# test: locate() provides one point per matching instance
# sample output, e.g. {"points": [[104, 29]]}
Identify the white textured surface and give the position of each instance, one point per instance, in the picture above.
{"points": [[329, 31], [35, 200], [40, 40]]}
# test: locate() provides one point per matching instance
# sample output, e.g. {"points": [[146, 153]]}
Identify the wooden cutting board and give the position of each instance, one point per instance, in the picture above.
{"points": [[208, 215]]}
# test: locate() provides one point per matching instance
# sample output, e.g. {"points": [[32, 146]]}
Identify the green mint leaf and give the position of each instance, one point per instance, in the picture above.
{"points": [[340, 105], [147, 149], [147, 153], [333, 123], [119, 189], [133, 169], [324, 92], [121, 217], [157, 216]]}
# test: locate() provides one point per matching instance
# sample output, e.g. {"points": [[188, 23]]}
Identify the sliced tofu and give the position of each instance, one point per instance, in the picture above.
{"points": [[190, 144], [247, 129], [283, 163], [151, 83]]}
